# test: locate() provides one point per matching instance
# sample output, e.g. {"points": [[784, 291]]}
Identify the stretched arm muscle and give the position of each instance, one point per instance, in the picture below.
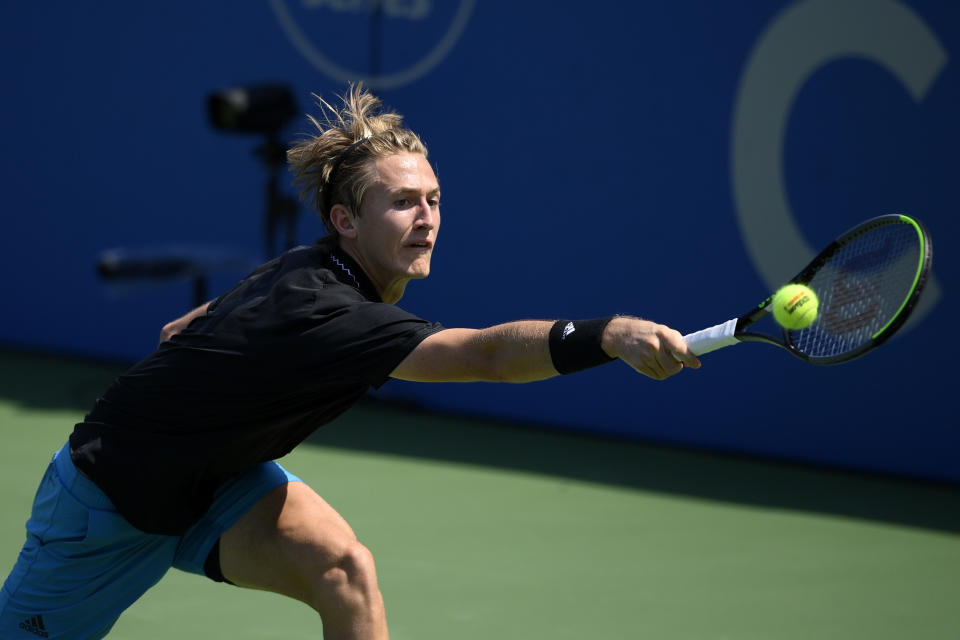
{"points": [[511, 352]]}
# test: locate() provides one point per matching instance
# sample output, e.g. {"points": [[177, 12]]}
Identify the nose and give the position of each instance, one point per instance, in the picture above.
{"points": [[428, 217]]}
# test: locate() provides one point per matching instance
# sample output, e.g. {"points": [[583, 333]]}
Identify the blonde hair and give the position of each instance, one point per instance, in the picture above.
{"points": [[334, 165]]}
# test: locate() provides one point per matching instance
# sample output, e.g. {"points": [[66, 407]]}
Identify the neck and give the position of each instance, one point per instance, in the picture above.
{"points": [[390, 292]]}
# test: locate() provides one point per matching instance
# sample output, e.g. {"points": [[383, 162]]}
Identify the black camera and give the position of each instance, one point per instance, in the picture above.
{"points": [[256, 109]]}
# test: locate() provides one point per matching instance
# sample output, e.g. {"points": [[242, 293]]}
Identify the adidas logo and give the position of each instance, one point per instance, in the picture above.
{"points": [[567, 330], [35, 626]]}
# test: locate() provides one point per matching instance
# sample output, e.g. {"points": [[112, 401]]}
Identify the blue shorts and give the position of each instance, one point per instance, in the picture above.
{"points": [[83, 564]]}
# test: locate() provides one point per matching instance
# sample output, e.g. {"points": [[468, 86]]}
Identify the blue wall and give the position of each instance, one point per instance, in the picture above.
{"points": [[595, 158]]}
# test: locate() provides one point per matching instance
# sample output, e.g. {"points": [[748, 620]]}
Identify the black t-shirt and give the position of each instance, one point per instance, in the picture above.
{"points": [[287, 350]]}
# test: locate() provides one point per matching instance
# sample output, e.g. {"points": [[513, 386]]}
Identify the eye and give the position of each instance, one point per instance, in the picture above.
{"points": [[401, 203]]}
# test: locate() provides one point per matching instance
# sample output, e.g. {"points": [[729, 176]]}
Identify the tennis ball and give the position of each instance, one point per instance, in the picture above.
{"points": [[795, 306]]}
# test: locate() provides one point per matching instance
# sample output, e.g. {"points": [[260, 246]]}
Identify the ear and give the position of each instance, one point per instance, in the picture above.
{"points": [[343, 221]]}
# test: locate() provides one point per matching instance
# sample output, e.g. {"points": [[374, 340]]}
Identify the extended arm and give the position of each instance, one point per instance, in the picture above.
{"points": [[520, 352]]}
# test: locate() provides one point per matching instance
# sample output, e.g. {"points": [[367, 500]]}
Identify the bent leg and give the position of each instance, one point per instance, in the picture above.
{"points": [[293, 543]]}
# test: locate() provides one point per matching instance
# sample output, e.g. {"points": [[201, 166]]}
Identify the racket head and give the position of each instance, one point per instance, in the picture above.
{"points": [[868, 281]]}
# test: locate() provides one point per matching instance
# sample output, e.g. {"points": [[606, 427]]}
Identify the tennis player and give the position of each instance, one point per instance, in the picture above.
{"points": [[175, 464]]}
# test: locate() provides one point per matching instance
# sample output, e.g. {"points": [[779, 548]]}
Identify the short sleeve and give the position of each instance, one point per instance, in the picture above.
{"points": [[366, 341]]}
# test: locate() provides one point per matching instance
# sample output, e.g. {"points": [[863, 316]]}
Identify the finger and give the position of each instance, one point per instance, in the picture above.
{"points": [[655, 372], [666, 364], [681, 352], [669, 361], [686, 358], [650, 366]]}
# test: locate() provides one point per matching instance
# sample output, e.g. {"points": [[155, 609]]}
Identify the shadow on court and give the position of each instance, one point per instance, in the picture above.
{"points": [[53, 382], [45, 382], [698, 474]]}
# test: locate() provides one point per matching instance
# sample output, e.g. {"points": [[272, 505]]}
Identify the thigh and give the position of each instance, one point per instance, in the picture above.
{"points": [[289, 536], [82, 564], [232, 501]]}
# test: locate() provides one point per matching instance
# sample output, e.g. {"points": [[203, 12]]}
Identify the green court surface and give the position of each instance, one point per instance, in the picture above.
{"points": [[483, 530]]}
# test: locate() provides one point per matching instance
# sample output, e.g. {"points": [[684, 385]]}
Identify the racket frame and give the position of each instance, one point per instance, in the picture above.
{"points": [[741, 334]]}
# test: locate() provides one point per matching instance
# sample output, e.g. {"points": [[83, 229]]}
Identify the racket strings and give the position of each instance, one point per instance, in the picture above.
{"points": [[861, 287]]}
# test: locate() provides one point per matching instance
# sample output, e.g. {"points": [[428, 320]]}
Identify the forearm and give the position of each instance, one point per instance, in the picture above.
{"points": [[518, 351], [511, 352]]}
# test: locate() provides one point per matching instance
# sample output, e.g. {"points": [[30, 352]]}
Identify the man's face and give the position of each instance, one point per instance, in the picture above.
{"points": [[398, 223]]}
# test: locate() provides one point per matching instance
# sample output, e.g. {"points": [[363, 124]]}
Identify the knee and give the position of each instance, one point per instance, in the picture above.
{"points": [[348, 583]]}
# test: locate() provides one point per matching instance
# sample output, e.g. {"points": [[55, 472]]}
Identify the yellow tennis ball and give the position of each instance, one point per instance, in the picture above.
{"points": [[795, 306]]}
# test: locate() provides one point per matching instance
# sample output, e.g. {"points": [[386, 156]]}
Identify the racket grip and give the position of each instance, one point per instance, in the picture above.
{"points": [[716, 337]]}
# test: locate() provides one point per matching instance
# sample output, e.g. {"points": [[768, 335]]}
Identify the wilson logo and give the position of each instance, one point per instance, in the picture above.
{"points": [[854, 305], [344, 38], [409, 9]]}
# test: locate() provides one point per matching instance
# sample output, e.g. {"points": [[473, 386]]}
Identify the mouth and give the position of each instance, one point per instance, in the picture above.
{"points": [[422, 245]]}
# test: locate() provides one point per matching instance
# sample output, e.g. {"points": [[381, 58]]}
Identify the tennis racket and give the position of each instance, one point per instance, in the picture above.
{"points": [[868, 281]]}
